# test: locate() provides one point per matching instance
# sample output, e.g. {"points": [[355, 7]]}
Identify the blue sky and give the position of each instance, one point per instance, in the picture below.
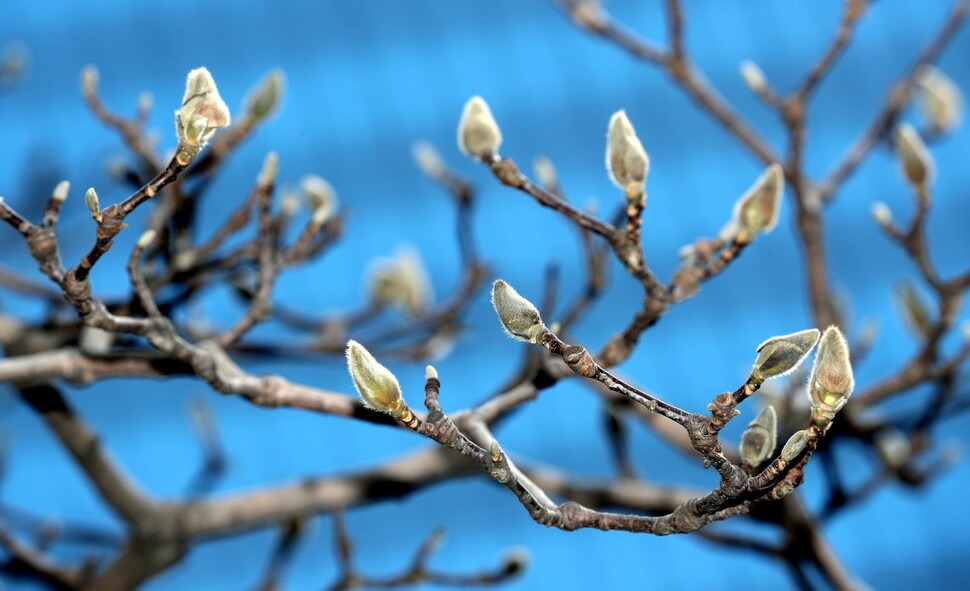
{"points": [[365, 80]]}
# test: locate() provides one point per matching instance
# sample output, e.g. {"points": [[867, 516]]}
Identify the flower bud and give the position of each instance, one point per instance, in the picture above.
{"points": [[794, 446], [779, 356], [757, 210], [89, 80], [60, 191], [831, 382], [545, 172], [428, 159], [626, 160], [430, 373], [915, 311], [377, 386], [263, 99], [147, 237], [753, 76], [317, 192], [519, 317], [267, 174], [478, 134], [759, 440], [914, 158], [882, 214], [202, 113], [940, 99], [94, 205], [402, 281]]}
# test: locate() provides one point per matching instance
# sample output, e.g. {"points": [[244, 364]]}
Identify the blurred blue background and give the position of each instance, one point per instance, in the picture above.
{"points": [[365, 80]]}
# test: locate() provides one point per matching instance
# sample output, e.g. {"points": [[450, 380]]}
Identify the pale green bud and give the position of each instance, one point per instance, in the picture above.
{"points": [[626, 160], [478, 134], [519, 317], [779, 356], [794, 446], [914, 158], [757, 210], [759, 440], [377, 386], [264, 98], [831, 382]]}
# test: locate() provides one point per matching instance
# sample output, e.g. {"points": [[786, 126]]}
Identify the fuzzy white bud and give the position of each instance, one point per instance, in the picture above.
{"points": [[882, 214], [519, 316], [757, 210], [377, 386], [93, 203], [402, 281], [779, 356], [146, 238], [428, 159], [478, 134], [831, 382], [203, 112], [317, 191], [60, 191], [626, 160], [753, 76], [914, 158], [546, 172], [940, 99]]}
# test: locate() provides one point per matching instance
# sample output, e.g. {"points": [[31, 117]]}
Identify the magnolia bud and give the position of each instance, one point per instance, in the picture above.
{"points": [[267, 174], [147, 237], [401, 281], [626, 160], [317, 192], [430, 373], [377, 386], [794, 446], [779, 356], [882, 214], [428, 159], [263, 99], [94, 205], [202, 113], [940, 99], [546, 172], [915, 311], [89, 80], [914, 158], [831, 382], [759, 440], [519, 317], [753, 76], [60, 191], [478, 134], [757, 210]]}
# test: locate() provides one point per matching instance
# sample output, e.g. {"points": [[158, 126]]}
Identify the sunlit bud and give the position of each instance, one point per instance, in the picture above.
{"points": [[914, 158], [267, 174], [317, 191], [882, 214], [94, 205], [402, 281], [779, 356], [759, 440], [831, 382], [428, 159], [377, 386], [146, 238], [519, 317], [626, 160], [430, 373], [203, 110], [914, 309], [264, 98], [794, 446], [478, 133], [60, 191], [546, 172], [757, 210], [940, 99], [753, 76], [145, 102], [89, 79]]}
